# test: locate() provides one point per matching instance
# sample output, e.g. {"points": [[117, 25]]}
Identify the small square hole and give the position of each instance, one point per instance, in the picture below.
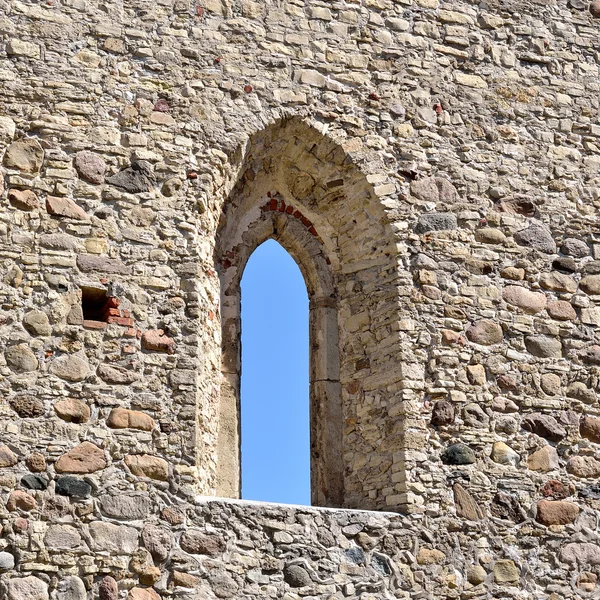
{"points": [[94, 305]]}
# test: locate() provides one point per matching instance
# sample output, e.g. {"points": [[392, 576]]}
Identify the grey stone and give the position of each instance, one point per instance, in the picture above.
{"points": [[536, 236], [90, 166], [485, 332], [129, 507], [27, 588], [7, 561], [70, 367], [434, 189], [25, 154], [545, 426], [37, 323], [543, 346], [575, 247], [116, 375], [158, 541], [71, 588], [436, 222], [62, 537], [458, 454], [20, 358], [89, 263], [117, 539], [73, 487], [296, 576], [222, 583], [135, 179], [34, 482]]}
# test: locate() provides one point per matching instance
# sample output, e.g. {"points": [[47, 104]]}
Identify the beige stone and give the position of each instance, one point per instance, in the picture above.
{"points": [[590, 284], [590, 428], [505, 571], [138, 593], [504, 454], [73, 410], [545, 459], [122, 418], [144, 465], [584, 466], [430, 556], [485, 332], [19, 500], [558, 282], [25, 154]]}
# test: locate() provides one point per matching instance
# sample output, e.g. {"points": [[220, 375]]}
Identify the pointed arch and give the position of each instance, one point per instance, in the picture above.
{"points": [[302, 189]]}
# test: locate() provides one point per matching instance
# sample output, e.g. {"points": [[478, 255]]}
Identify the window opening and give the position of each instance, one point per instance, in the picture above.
{"points": [[275, 430]]}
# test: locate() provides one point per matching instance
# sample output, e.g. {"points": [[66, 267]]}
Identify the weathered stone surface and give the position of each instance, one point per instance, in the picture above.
{"points": [[108, 589], [556, 512], [505, 571], [505, 506], [545, 459], [34, 482], [584, 466], [458, 454], [581, 553], [135, 179], [62, 537], [156, 340], [466, 506], [73, 410], [196, 541], [590, 284], [436, 222], [489, 235], [504, 454], [71, 588], [37, 323], [158, 541], [172, 516], [7, 457], [90, 264], [556, 490], [27, 588], [442, 413], [543, 346], [144, 465], [545, 426], [550, 384], [20, 358], [116, 375], [536, 236], [575, 247], [7, 561], [580, 391], [558, 282], [73, 487], [529, 302], [561, 310], [296, 576], [476, 574], [434, 189], [128, 507], [595, 8], [138, 593], [23, 199], [84, 458], [27, 406], [117, 539], [90, 166], [590, 428], [122, 418], [65, 207], [70, 367], [19, 500], [25, 154], [485, 332], [36, 462]]}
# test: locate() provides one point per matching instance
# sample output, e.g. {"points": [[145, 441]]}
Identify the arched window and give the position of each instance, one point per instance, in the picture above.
{"points": [[274, 388], [302, 242]]}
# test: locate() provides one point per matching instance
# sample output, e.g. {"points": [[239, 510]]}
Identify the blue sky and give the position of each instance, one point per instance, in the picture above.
{"points": [[275, 400]]}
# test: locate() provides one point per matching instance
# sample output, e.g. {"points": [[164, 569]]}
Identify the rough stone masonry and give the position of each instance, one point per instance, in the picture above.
{"points": [[434, 168]]}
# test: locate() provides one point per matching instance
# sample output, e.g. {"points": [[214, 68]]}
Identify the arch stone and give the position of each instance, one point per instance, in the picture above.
{"points": [[292, 186]]}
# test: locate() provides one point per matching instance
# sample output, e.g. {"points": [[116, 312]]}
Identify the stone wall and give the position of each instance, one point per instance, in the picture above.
{"points": [[442, 159]]}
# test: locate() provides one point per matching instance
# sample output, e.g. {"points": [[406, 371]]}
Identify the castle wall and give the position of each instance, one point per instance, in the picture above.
{"points": [[463, 242]]}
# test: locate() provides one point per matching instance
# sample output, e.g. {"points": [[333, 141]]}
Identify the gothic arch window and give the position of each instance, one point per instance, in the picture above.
{"points": [[299, 237]]}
